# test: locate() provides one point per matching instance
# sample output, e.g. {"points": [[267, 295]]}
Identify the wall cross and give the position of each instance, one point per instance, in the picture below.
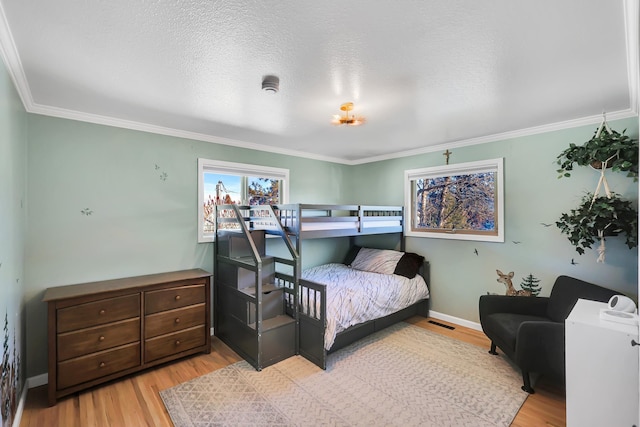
{"points": [[447, 154]]}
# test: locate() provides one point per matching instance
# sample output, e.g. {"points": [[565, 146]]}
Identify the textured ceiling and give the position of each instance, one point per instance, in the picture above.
{"points": [[425, 73]]}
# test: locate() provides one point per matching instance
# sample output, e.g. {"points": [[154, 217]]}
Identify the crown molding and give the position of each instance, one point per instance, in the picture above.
{"points": [[161, 130], [178, 133], [551, 127]]}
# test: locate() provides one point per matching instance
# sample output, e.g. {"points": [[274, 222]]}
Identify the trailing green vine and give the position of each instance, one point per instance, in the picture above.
{"points": [[600, 216]]}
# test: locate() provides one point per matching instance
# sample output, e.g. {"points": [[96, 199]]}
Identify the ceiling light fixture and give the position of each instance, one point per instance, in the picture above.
{"points": [[271, 84], [347, 119]]}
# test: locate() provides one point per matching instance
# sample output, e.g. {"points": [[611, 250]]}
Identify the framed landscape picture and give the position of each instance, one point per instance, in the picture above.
{"points": [[462, 201]]}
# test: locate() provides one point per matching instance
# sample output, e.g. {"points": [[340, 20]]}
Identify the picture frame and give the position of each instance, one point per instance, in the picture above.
{"points": [[464, 201]]}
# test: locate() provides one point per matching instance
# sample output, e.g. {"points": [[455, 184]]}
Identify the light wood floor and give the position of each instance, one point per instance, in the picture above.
{"points": [[134, 401]]}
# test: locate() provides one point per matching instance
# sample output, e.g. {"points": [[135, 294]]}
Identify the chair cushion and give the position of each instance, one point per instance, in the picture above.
{"points": [[567, 290], [502, 328]]}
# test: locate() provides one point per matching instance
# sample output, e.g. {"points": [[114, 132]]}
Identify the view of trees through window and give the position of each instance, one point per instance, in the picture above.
{"points": [[263, 191], [459, 202]]}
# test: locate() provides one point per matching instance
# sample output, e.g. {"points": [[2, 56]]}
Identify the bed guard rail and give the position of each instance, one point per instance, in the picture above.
{"points": [[312, 315], [317, 221]]}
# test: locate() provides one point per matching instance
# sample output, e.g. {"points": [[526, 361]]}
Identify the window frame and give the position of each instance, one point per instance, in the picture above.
{"points": [[239, 169], [490, 165]]}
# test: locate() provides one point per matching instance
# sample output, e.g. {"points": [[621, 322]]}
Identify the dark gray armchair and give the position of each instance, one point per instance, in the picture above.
{"points": [[530, 330]]}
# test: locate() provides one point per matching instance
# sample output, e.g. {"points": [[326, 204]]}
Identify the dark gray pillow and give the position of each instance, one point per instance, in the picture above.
{"points": [[409, 265]]}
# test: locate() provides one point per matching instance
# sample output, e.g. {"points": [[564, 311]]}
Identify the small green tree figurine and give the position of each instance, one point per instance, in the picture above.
{"points": [[531, 283]]}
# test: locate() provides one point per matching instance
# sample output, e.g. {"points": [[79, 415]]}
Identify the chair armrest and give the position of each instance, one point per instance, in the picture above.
{"points": [[534, 306], [540, 347]]}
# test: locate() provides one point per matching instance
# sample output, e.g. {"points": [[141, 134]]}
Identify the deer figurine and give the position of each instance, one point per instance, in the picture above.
{"points": [[511, 291]]}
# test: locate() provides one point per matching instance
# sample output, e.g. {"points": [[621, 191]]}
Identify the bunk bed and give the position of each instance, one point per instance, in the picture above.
{"points": [[318, 332], [267, 309]]}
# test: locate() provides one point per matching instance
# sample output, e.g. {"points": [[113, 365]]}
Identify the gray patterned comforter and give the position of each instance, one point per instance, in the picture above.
{"points": [[355, 296]]}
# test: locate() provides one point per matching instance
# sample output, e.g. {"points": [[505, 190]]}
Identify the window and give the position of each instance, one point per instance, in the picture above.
{"points": [[463, 201], [236, 183]]}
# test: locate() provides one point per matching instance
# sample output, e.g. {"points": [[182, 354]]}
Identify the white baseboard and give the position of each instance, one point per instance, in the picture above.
{"points": [[21, 403], [38, 380], [462, 322]]}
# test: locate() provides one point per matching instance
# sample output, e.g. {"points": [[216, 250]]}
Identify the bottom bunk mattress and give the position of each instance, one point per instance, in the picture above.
{"points": [[356, 296]]}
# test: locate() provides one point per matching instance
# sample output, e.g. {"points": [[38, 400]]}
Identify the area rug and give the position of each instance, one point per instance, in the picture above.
{"points": [[401, 376]]}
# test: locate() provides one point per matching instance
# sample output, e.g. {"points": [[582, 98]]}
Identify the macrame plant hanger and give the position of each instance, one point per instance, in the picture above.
{"points": [[602, 183]]}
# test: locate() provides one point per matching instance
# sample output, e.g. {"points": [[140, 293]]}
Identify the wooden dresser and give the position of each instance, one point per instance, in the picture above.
{"points": [[101, 331]]}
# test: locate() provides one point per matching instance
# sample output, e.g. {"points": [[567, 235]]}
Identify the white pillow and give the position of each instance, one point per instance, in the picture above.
{"points": [[383, 261]]}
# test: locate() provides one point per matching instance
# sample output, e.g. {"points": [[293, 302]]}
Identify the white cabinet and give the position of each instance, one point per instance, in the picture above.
{"points": [[602, 369]]}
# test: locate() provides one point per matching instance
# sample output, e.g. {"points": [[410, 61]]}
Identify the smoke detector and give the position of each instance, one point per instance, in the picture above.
{"points": [[271, 84]]}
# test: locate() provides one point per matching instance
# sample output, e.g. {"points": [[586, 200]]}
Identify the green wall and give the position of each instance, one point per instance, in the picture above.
{"points": [[13, 167], [100, 208], [533, 195]]}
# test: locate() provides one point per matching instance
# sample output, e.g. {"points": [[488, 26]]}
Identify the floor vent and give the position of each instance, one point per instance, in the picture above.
{"points": [[441, 324]]}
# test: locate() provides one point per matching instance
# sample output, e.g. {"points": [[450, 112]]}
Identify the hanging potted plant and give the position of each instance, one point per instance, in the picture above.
{"points": [[599, 217], [607, 147]]}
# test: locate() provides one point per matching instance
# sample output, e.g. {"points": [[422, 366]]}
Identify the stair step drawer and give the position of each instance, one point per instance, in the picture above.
{"points": [[239, 247], [241, 278], [87, 368], [168, 299], [98, 312], [90, 340], [272, 305], [174, 320], [166, 345]]}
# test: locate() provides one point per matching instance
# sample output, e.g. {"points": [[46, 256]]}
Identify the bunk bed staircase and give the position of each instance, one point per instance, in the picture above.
{"points": [[252, 288]]}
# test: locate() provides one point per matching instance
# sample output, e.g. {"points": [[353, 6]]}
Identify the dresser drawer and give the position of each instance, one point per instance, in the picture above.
{"points": [[168, 299], [166, 345], [174, 320], [87, 368], [91, 340], [98, 312]]}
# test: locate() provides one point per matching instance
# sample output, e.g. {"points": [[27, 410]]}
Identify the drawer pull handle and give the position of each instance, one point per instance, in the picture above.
{"points": [[101, 338], [177, 297], [177, 320], [177, 342], [101, 312], [102, 364]]}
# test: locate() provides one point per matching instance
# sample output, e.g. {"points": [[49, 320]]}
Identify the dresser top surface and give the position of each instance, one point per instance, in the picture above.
{"points": [[82, 289]]}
